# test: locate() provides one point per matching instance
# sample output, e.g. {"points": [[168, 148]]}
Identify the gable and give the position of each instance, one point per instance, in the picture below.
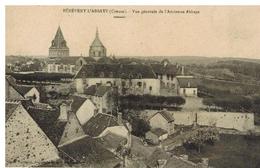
{"points": [[13, 94], [26, 143], [73, 131], [158, 118], [86, 111]]}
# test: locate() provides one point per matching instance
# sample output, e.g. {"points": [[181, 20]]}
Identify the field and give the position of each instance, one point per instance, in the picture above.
{"points": [[232, 151]]}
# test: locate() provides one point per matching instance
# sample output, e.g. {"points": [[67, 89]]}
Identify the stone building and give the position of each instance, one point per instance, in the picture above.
{"points": [[58, 46], [97, 50]]}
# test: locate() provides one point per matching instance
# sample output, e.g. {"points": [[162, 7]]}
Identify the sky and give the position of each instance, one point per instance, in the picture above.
{"points": [[232, 31]]}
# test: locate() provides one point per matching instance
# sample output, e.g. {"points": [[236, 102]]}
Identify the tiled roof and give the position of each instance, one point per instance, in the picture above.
{"points": [[165, 115], [77, 102], [91, 90], [171, 162], [158, 131], [168, 69], [186, 82], [59, 41], [133, 71], [10, 108], [98, 123], [101, 90], [112, 141], [23, 89], [87, 150]]}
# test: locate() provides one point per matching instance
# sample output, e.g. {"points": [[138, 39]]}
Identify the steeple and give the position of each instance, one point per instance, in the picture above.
{"points": [[58, 45], [97, 33], [97, 49]]}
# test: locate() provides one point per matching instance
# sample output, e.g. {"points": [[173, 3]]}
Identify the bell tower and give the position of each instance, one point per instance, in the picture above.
{"points": [[58, 46]]}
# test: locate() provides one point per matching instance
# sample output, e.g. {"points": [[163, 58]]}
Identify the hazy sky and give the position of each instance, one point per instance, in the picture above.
{"points": [[214, 31]]}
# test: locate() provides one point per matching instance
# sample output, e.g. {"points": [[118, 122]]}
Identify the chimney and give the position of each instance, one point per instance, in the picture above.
{"points": [[161, 163], [119, 118], [182, 70], [64, 108], [205, 162]]}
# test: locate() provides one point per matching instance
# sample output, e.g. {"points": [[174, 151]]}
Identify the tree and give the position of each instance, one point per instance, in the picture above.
{"points": [[139, 127], [200, 137]]}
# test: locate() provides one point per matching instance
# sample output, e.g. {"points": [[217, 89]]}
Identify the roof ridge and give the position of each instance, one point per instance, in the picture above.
{"points": [[12, 101]]}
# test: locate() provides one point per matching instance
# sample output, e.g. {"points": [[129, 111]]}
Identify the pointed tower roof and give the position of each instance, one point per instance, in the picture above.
{"points": [[97, 42], [59, 41]]}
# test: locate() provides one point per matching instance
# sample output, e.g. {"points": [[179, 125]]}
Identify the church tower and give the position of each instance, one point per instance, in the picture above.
{"points": [[97, 49], [58, 46]]}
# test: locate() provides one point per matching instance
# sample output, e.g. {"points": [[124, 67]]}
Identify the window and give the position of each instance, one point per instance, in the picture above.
{"points": [[102, 75], [161, 76], [150, 88], [139, 84], [123, 83], [139, 76], [144, 85], [184, 91], [77, 130], [194, 92], [168, 77]]}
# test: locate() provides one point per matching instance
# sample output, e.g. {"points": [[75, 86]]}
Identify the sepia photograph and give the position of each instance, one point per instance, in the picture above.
{"points": [[132, 86]]}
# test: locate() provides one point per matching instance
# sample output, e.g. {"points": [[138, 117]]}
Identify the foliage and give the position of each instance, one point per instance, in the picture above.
{"points": [[200, 137], [140, 102], [229, 103], [139, 126]]}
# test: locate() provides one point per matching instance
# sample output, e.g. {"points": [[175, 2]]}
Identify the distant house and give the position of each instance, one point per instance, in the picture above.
{"points": [[101, 96], [163, 120], [102, 124], [62, 64], [166, 72], [26, 144], [186, 86], [83, 107], [129, 78], [19, 92], [156, 135]]}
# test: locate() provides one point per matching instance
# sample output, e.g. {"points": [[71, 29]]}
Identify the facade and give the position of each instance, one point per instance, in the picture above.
{"points": [[101, 96], [163, 120], [129, 78], [84, 108], [26, 144], [97, 50], [58, 46], [102, 124], [72, 132], [186, 86], [156, 135]]}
